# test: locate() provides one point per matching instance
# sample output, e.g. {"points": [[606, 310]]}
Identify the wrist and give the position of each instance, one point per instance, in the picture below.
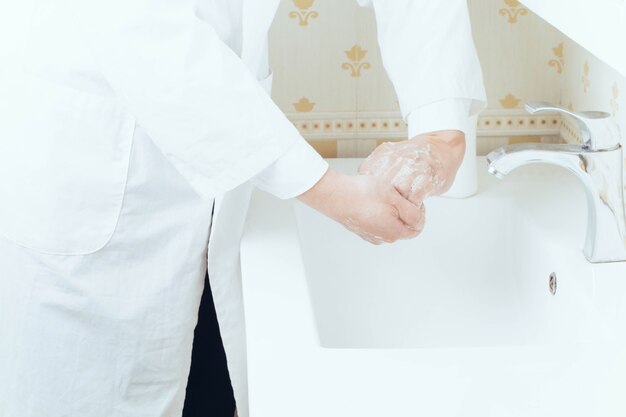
{"points": [[323, 191]]}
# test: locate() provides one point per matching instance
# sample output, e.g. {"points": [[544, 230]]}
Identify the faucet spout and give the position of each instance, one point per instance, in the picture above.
{"points": [[504, 160], [601, 173]]}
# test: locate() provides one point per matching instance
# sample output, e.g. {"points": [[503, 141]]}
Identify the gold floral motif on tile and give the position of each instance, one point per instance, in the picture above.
{"points": [[513, 10], [356, 64], [303, 14], [558, 61], [510, 101], [304, 105]]}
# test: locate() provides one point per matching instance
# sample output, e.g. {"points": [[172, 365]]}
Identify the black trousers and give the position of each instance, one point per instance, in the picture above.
{"points": [[209, 392]]}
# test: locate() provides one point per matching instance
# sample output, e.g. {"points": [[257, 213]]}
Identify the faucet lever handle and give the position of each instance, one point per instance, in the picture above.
{"points": [[598, 130]]}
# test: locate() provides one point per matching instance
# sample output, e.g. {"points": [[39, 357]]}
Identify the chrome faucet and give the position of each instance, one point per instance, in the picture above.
{"points": [[598, 164]]}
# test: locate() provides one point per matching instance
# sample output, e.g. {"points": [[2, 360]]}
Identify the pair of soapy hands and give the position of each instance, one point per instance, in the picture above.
{"points": [[385, 202]]}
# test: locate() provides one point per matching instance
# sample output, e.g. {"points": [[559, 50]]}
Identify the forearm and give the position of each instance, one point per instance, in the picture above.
{"points": [[323, 191]]}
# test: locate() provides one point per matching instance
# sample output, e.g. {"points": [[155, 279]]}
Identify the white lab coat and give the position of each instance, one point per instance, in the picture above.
{"points": [[121, 123]]}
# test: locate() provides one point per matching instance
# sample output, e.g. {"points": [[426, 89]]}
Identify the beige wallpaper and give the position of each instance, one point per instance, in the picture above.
{"points": [[329, 79], [589, 84]]}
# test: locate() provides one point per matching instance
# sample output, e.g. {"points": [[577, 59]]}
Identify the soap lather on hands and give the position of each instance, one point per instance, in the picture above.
{"points": [[421, 167], [386, 203]]}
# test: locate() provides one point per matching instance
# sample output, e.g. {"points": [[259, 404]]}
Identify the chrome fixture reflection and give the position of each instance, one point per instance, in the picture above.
{"points": [[552, 283], [598, 164]]}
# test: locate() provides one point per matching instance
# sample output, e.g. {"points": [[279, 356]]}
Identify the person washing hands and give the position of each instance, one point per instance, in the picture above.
{"points": [[131, 135]]}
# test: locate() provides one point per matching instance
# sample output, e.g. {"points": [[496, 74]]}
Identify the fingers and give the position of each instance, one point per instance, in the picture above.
{"points": [[388, 158], [401, 231], [377, 160], [408, 224], [378, 213], [422, 221], [413, 187], [394, 230], [421, 167], [409, 213], [406, 165]]}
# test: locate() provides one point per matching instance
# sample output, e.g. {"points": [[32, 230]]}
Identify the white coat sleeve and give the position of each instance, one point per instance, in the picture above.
{"points": [[191, 94], [294, 173], [430, 57]]}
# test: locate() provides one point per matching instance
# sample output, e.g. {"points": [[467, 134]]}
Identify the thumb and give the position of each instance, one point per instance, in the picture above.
{"points": [[408, 212]]}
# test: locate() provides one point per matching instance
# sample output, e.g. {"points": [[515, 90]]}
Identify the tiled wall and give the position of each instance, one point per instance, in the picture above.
{"points": [[329, 79], [589, 84]]}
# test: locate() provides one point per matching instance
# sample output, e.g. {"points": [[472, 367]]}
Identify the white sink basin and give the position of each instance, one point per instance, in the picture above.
{"points": [[458, 322]]}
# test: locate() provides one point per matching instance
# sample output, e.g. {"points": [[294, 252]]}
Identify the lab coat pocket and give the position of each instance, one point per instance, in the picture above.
{"points": [[64, 158]]}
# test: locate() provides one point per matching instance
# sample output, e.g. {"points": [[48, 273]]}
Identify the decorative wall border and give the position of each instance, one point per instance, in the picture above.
{"points": [[570, 132], [389, 125]]}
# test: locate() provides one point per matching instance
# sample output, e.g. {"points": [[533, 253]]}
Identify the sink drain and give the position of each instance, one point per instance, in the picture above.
{"points": [[552, 283]]}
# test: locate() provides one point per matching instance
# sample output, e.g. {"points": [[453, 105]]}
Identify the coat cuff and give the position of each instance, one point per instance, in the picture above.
{"points": [[447, 114], [294, 173]]}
